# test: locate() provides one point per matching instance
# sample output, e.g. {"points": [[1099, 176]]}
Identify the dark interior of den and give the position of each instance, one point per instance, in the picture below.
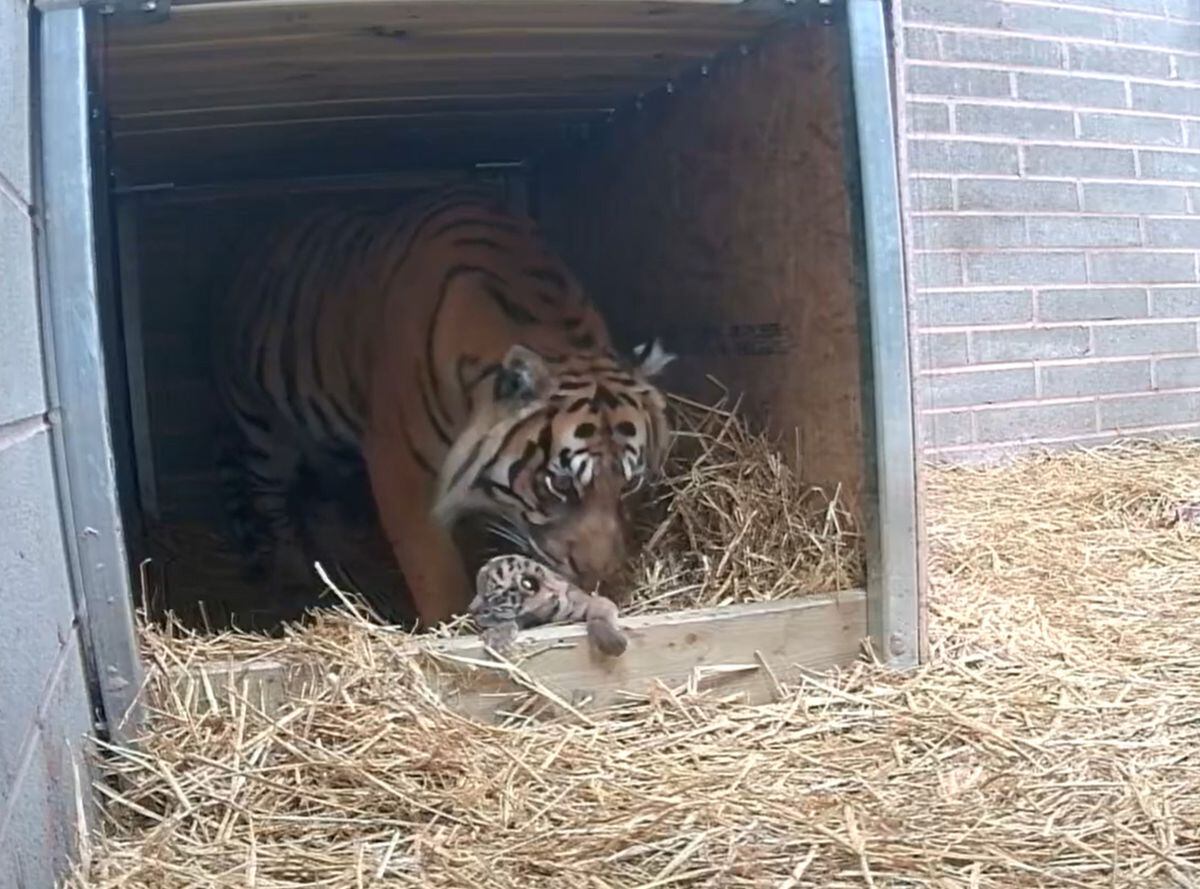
{"points": [[692, 162]]}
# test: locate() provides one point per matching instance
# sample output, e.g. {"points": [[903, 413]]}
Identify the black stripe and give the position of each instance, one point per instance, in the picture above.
{"points": [[498, 224], [479, 242], [460, 372], [359, 240], [289, 361], [515, 430], [252, 420], [628, 399], [433, 418], [488, 371], [268, 481], [314, 351], [431, 213], [518, 465], [548, 276], [562, 610], [604, 397], [253, 451], [358, 398], [515, 313], [316, 413], [416, 454], [490, 487], [467, 463], [430, 363], [347, 419]]}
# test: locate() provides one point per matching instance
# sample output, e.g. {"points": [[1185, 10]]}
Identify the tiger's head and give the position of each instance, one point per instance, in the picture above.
{"points": [[551, 455]]}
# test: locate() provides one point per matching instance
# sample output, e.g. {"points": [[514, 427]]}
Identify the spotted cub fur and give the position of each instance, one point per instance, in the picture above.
{"points": [[515, 592]]}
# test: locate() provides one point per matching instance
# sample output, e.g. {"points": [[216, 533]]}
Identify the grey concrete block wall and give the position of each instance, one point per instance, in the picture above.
{"points": [[45, 711], [1051, 162]]}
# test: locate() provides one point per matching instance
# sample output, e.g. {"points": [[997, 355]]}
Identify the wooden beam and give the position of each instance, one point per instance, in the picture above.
{"points": [[744, 650]]}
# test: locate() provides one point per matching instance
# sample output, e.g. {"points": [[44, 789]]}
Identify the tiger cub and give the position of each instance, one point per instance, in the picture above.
{"points": [[447, 350], [515, 592]]}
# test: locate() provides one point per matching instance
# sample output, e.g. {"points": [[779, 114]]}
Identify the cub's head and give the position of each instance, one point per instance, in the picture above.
{"points": [[554, 451]]}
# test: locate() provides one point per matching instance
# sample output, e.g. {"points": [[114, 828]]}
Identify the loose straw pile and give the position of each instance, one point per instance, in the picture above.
{"points": [[734, 522], [1052, 741]]}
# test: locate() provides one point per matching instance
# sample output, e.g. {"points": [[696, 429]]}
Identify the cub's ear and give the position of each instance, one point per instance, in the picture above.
{"points": [[650, 359], [523, 375]]}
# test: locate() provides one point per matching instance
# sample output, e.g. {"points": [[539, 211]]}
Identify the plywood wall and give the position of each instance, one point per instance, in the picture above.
{"points": [[719, 217]]}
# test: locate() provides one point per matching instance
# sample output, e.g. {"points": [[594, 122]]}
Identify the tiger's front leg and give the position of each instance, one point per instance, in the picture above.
{"points": [[425, 551]]}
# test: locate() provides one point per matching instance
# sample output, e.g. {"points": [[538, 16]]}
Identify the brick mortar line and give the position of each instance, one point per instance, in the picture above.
{"points": [[14, 432], [1035, 105], [1018, 68], [9, 190], [962, 330], [1058, 401], [1099, 10], [1088, 250], [1152, 364], [1062, 325], [1014, 445], [1041, 177], [1025, 288], [28, 745], [1065, 73], [1090, 180], [1057, 214], [1060, 39], [966, 370], [1018, 142]]}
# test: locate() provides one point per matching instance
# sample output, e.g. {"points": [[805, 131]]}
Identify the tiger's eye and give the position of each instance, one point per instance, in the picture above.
{"points": [[529, 583]]}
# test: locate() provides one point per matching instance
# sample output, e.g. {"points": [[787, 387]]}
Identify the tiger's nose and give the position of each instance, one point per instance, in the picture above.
{"points": [[600, 560]]}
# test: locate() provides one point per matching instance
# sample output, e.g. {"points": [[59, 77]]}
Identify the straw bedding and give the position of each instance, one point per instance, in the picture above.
{"points": [[1051, 742]]}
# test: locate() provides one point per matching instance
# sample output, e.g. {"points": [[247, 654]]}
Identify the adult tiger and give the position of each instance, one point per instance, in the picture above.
{"points": [[447, 348]]}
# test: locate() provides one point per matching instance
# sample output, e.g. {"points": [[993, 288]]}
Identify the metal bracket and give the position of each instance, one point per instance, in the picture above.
{"points": [[141, 11]]}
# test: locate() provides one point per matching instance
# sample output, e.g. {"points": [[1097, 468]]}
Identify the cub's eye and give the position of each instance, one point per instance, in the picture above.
{"points": [[561, 486], [529, 583]]}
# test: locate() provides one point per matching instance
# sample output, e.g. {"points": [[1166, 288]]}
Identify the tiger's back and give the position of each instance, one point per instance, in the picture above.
{"points": [[451, 351]]}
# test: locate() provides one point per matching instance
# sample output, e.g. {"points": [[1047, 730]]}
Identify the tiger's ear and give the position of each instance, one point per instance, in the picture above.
{"points": [[522, 375], [650, 359]]}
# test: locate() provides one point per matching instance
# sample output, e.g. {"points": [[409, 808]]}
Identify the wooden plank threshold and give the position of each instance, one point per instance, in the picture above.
{"points": [[745, 650]]}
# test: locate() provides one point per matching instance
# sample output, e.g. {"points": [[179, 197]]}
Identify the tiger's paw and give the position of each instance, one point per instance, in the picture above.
{"points": [[607, 636]]}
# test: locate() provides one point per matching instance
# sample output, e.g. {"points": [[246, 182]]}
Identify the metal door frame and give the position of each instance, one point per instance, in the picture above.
{"points": [[79, 403]]}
